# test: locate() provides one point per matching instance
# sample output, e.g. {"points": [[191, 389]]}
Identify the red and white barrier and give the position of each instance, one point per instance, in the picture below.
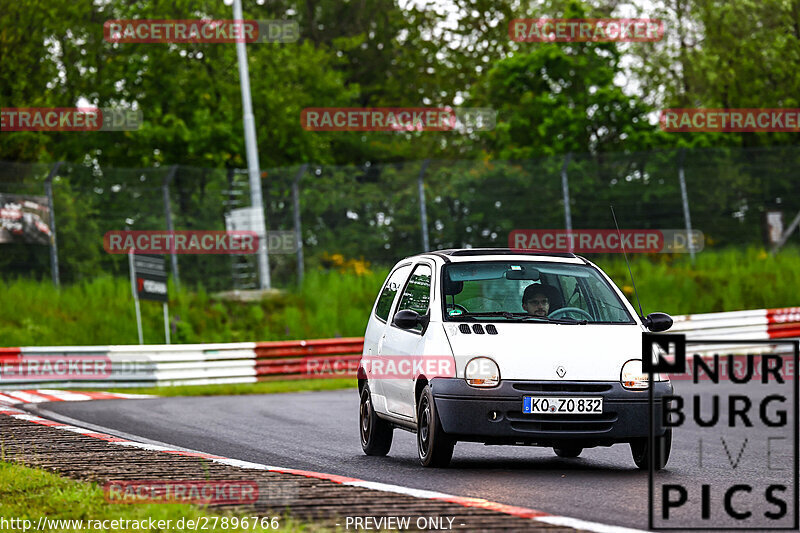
{"points": [[168, 365], [248, 362]]}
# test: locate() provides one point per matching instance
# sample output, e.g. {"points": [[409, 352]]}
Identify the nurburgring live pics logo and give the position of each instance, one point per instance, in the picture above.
{"points": [[745, 430]]}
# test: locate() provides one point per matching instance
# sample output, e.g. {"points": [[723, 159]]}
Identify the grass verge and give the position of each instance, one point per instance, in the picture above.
{"points": [[262, 387], [30, 493], [331, 303]]}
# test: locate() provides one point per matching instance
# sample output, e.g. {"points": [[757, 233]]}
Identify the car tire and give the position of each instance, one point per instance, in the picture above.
{"points": [[641, 451], [376, 433], [568, 452], [434, 446]]}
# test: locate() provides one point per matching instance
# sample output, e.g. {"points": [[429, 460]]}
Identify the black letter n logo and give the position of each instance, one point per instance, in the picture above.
{"points": [[664, 353]]}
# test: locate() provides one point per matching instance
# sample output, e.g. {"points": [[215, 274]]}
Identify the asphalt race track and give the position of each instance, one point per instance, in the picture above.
{"points": [[319, 431]]}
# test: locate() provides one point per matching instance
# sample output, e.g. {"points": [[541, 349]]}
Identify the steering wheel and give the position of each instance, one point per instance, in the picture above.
{"points": [[565, 310], [457, 306]]}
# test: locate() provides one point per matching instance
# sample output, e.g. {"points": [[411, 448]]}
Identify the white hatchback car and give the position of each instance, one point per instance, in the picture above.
{"points": [[545, 351]]}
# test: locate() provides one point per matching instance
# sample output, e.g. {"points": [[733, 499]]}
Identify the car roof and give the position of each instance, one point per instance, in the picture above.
{"points": [[456, 255]]}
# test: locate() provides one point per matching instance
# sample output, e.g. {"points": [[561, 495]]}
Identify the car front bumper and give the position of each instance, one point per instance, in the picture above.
{"points": [[495, 416]]}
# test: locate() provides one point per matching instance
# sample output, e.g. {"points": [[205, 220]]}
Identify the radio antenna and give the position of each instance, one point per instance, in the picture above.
{"points": [[622, 244]]}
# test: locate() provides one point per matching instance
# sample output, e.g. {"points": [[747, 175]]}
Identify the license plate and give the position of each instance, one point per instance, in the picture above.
{"points": [[556, 405]]}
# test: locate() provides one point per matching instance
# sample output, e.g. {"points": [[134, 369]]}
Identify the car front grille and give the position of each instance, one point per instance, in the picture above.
{"points": [[556, 386], [577, 424]]}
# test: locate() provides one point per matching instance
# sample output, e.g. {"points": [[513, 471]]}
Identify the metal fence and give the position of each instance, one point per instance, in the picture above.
{"points": [[380, 212]]}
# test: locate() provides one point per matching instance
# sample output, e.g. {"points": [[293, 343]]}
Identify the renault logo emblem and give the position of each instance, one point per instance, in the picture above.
{"points": [[561, 371]]}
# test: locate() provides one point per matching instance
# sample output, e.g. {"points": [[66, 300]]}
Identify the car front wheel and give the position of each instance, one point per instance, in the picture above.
{"points": [[376, 434], [640, 450], [435, 448]]}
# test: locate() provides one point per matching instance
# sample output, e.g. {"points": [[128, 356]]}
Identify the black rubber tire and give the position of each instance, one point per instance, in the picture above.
{"points": [[641, 451], [376, 433], [568, 452], [434, 447]]}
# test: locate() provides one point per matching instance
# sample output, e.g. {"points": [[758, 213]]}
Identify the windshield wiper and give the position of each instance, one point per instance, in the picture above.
{"points": [[525, 316], [504, 314], [568, 321]]}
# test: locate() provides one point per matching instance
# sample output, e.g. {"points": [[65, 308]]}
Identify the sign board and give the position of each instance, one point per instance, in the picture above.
{"points": [[151, 277], [245, 219], [24, 219], [251, 219], [774, 226]]}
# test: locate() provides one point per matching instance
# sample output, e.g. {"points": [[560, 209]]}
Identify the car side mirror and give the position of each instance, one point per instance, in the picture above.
{"points": [[656, 322], [409, 319]]}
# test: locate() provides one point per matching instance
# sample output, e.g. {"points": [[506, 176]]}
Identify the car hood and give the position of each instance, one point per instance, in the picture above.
{"points": [[531, 351]]}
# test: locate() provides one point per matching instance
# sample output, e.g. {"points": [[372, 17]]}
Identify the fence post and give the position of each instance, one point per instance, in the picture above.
{"points": [[168, 213], [423, 215], [298, 230], [48, 187], [685, 200], [565, 192], [787, 233]]}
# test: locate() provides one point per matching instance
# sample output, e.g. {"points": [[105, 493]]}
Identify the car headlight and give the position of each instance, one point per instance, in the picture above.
{"points": [[633, 377], [482, 372]]}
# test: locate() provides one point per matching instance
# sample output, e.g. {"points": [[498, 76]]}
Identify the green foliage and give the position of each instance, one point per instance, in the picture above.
{"points": [[741, 54], [557, 98], [332, 304], [728, 280], [101, 312]]}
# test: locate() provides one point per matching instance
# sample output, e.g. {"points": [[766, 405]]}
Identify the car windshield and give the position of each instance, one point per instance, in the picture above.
{"points": [[530, 291]]}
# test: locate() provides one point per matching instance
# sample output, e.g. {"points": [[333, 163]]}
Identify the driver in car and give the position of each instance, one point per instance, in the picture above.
{"points": [[536, 300]]}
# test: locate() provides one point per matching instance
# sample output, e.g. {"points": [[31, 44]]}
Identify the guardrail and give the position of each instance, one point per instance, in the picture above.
{"points": [[175, 364], [248, 362]]}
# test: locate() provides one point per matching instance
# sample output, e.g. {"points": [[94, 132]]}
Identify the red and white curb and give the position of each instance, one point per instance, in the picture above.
{"points": [[14, 397], [478, 503]]}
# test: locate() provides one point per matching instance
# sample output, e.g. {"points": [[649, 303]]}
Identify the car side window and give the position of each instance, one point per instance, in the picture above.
{"points": [[393, 285], [417, 294]]}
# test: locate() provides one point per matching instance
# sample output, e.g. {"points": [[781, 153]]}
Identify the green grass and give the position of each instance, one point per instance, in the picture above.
{"points": [[101, 311], [728, 280], [331, 303], [262, 387], [29, 493]]}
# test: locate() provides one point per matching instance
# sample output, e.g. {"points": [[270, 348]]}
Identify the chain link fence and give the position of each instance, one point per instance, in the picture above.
{"points": [[381, 212]]}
